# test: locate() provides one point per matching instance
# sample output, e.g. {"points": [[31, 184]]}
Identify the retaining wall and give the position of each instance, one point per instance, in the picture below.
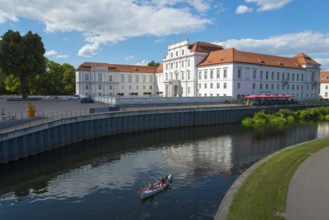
{"points": [[26, 142]]}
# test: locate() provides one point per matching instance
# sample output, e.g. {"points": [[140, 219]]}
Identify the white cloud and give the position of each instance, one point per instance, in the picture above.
{"points": [[142, 63], [54, 53], [242, 9], [89, 50], [268, 5], [129, 57], [324, 64], [312, 43], [103, 21]]}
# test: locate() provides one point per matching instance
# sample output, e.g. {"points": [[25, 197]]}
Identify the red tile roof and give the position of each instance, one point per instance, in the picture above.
{"points": [[118, 67], [233, 55], [204, 47], [324, 77]]}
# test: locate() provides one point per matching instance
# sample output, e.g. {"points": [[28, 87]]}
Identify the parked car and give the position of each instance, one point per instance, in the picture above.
{"points": [[74, 97], [86, 100], [53, 97]]}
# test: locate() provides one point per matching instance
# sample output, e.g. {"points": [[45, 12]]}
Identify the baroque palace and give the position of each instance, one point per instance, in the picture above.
{"points": [[203, 69]]}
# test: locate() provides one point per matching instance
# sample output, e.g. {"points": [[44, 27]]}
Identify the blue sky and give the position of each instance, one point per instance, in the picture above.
{"points": [[138, 31]]}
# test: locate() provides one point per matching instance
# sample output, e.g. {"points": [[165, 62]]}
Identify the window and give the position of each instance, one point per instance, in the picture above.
{"points": [[277, 86], [176, 65], [171, 54], [122, 78], [272, 76], [182, 75], [176, 53], [200, 75], [110, 87], [218, 86], [182, 52], [260, 86], [211, 74], [326, 87], [137, 79], [150, 86], [211, 85], [218, 72], [225, 73], [99, 87], [86, 77], [288, 76], [150, 79], [266, 86], [266, 76], [277, 76], [238, 85], [137, 87], [293, 77], [239, 73], [188, 63], [182, 63], [144, 87], [188, 75], [302, 77], [129, 87], [326, 94], [261, 74], [205, 85], [254, 74], [87, 87], [99, 77], [225, 85], [205, 74], [254, 86], [122, 87], [188, 90], [272, 86], [110, 78], [129, 78], [297, 77], [199, 85], [144, 79]]}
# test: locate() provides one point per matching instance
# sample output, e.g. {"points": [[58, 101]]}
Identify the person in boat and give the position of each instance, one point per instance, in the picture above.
{"points": [[150, 185], [162, 182]]}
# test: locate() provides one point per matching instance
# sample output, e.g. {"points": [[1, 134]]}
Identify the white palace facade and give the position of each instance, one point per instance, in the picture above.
{"points": [[203, 69]]}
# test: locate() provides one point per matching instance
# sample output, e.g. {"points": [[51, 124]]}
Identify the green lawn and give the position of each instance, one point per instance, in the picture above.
{"points": [[263, 194]]}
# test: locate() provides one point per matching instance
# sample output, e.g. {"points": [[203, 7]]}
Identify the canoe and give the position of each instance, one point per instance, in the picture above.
{"points": [[157, 187]]}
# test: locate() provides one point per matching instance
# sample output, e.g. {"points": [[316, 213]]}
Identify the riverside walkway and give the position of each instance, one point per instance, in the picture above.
{"points": [[308, 192]]}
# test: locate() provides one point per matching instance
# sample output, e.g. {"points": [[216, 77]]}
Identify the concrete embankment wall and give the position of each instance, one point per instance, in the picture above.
{"points": [[26, 142]]}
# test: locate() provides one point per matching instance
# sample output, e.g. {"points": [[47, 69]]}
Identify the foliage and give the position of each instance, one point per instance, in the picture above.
{"points": [[263, 194], [12, 84], [286, 116], [153, 63], [22, 56]]}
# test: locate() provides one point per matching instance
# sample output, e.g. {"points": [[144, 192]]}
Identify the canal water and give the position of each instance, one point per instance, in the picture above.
{"points": [[100, 179]]}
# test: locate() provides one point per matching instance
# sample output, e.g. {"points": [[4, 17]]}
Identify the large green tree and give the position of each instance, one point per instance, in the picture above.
{"points": [[22, 56]]}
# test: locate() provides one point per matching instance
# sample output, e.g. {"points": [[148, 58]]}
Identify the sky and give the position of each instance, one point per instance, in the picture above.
{"points": [[139, 31]]}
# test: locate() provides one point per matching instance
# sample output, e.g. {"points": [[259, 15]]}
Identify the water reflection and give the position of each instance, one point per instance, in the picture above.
{"points": [[106, 173]]}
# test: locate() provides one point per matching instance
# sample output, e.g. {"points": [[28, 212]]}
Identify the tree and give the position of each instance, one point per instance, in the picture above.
{"points": [[68, 78], [153, 63], [22, 56]]}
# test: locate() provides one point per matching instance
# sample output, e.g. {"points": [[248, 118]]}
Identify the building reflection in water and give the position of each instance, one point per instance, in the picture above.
{"points": [[121, 162]]}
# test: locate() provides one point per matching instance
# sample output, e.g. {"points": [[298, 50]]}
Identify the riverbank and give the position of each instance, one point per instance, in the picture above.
{"points": [[261, 192]]}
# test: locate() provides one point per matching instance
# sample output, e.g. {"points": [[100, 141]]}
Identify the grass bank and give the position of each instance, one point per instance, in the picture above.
{"points": [[263, 194]]}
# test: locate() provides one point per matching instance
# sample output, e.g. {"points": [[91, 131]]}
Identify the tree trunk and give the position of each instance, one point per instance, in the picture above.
{"points": [[23, 86]]}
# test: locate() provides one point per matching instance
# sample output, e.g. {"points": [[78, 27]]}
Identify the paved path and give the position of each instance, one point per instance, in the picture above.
{"points": [[308, 194]]}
